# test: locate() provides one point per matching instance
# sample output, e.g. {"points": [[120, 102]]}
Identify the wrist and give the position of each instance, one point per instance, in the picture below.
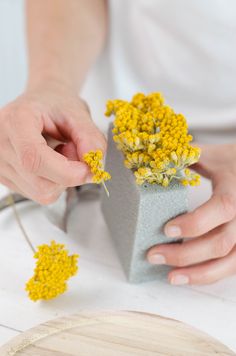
{"points": [[52, 81]]}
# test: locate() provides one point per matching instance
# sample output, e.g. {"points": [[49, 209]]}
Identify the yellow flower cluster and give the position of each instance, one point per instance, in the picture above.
{"points": [[94, 161], [53, 268], [154, 140]]}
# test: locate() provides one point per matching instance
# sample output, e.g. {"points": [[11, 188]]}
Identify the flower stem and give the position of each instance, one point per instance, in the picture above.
{"points": [[105, 187], [12, 203]]}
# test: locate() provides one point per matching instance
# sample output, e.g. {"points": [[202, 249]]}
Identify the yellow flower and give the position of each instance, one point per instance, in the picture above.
{"points": [[151, 135], [53, 268], [165, 182], [94, 161], [185, 182]]}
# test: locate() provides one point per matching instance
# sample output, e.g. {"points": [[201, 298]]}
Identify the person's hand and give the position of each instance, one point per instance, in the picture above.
{"points": [[211, 253], [27, 164]]}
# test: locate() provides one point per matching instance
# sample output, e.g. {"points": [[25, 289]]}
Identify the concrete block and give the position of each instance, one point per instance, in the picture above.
{"points": [[135, 215]]}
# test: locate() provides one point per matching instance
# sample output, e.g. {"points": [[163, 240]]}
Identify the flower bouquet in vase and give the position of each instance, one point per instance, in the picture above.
{"points": [[148, 156]]}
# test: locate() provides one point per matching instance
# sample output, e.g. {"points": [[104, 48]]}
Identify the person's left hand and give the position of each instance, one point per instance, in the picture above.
{"points": [[210, 253]]}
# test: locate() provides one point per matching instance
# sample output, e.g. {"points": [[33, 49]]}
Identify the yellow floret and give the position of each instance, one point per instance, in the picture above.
{"points": [[53, 268], [151, 135], [94, 161]]}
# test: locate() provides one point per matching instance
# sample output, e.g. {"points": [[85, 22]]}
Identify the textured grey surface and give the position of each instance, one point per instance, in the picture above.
{"points": [[135, 215]]}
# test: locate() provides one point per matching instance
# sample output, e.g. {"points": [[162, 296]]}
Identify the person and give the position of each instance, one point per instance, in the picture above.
{"points": [[185, 49]]}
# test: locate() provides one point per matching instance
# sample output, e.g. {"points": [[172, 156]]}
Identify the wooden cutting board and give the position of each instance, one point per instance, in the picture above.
{"points": [[114, 334]]}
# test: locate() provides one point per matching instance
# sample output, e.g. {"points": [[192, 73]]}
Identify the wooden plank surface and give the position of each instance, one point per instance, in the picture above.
{"points": [[114, 333], [7, 333]]}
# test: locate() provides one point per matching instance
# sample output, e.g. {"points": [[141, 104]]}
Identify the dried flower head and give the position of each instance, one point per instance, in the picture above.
{"points": [[94, 161], [53, 268], [154, 140]]}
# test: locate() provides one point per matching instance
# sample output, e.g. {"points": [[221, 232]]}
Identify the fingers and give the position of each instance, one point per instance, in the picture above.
{"points": [[27, 163], [205, 273], [84, 133], [203, 260], [219, 209], [39, 189], [57, 168], [89, 139], [38, 158], [41, 160], [218, 243]]}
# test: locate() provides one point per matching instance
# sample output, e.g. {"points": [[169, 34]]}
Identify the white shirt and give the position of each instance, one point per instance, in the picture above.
{"points": [[184, 48]]}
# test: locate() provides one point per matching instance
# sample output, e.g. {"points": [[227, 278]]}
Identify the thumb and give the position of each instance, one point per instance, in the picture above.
{"points": [[84, 134], [87, 137]]}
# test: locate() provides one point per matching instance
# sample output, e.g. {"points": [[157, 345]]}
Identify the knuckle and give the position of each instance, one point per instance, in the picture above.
{"points": [[6, 119], [182, 260], [13, 115], [204, 278], [30, 158], [223, 245], [229, 205], [14, 111], [195, 222]]}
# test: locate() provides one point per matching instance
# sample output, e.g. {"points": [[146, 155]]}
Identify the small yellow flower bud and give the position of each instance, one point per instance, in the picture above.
{"points": [[165, 182], [94, 161]]}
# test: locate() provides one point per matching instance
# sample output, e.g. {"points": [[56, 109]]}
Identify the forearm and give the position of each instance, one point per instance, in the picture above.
{"points": [[64, 39]]}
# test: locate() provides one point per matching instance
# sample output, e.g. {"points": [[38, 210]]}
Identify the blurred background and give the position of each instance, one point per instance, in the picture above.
{"points": [[13, 63]]}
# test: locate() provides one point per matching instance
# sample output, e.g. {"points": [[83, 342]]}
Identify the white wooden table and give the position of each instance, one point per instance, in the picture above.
{"points": [[101, 283]]}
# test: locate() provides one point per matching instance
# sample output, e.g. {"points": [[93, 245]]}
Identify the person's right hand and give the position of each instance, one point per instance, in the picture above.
{"points": [[27, 164]]}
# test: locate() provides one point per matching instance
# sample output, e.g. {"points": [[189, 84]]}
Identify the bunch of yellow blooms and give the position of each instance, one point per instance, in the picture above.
{"points": [[53, 268], [94, 161], [154, 140]]}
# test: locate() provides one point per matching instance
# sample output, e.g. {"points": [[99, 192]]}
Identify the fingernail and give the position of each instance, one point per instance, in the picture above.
{"points": [[157, 259], [179, 279], [173, 231]]}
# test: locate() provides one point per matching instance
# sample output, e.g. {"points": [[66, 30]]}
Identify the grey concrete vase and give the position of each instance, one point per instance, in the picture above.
{"points": [[135, 215]]}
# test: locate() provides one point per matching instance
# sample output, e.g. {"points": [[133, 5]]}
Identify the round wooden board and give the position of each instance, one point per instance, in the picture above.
{"points": [[114, 334]]}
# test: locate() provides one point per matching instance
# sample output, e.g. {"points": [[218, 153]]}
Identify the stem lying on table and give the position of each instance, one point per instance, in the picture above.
{"points": [[12, 203]]}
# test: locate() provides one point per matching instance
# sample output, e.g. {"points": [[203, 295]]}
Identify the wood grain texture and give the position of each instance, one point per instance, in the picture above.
{"points": [[114, 333]]}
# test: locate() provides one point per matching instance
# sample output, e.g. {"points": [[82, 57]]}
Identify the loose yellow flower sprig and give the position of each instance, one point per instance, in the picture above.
{"points": [[53, 268], [154, 140], [94, 161]]}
